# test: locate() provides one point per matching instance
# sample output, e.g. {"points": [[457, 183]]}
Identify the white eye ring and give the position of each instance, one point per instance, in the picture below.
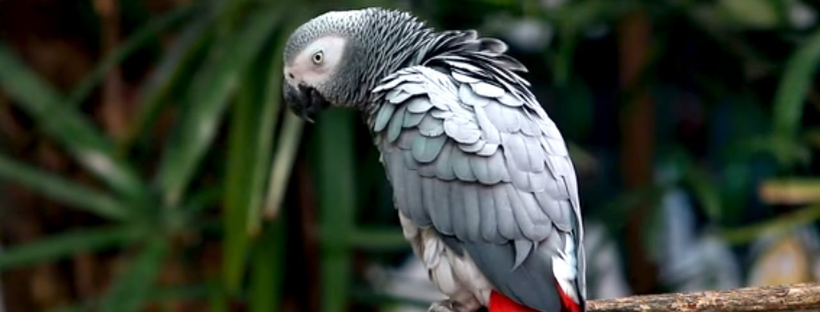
{"points": [[318, 57]]}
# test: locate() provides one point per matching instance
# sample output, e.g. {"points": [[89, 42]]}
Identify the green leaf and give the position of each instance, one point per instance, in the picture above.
{"points": [[761, 14], [794, 86], [175, 69], [249, 149], [706, 192], [131, 288], [379, 239], [289, 136], [812, 137], [268, 267], [564, 58], [206, 102], [288, 147], [175, 293], [156, 294], [269, 114], [85, 143], [69, 309], [380, 297], [335, 165], [785, 149], [240, 174], [217, 298], [62, 189], [195, 204], [782, 224], [150, 31], [617, 211], [62, 245]]}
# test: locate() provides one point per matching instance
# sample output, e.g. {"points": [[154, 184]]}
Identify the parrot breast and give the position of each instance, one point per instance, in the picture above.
{"points": [[456, 276]]}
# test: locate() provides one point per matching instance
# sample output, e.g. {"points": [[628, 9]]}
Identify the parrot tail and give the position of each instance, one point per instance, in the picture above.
{"points": [[500, 303]]}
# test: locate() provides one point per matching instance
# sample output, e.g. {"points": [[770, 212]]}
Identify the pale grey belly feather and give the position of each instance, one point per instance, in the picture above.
{"points": [[456, 276]]}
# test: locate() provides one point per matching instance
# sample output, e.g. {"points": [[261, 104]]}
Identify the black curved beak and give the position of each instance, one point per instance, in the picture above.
{"points": [[304, 101]]}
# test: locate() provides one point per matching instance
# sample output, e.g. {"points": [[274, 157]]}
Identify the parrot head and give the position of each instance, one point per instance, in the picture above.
{"points": [[313, 65], [336, 58]]}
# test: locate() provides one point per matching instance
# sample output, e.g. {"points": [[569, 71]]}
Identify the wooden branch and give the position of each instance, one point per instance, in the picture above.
{"points": [[797, 297]]}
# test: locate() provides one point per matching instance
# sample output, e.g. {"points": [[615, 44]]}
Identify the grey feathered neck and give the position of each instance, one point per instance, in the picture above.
{"points": [[382, 41]]}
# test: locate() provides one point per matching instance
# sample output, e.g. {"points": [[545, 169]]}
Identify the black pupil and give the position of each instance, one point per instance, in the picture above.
{"points": [[317, 57]]}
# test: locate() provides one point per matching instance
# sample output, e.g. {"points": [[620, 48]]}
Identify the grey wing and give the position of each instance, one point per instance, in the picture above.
{"points": [[488, 171]]}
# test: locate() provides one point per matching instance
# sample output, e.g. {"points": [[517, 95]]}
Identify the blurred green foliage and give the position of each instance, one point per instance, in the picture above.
{"points": [[222, 73]]}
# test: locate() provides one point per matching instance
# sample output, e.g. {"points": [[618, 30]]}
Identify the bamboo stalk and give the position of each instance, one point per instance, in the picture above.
{"points": [[797, 297]]}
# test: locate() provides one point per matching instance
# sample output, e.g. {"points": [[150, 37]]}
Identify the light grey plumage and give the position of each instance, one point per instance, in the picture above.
{"points": [[468, 150]]}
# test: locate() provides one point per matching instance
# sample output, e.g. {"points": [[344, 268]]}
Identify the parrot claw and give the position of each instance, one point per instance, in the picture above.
{"points": [[441, 306], [448, 306]]}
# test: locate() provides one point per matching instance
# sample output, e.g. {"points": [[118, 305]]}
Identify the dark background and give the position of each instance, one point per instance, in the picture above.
{"points": [[147, 162]]}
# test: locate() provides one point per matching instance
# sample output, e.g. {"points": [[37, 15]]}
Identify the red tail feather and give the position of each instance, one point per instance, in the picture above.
{"points": [[500, 303], [566, 301]]}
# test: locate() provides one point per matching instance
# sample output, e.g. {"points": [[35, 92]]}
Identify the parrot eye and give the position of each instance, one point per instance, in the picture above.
{"points": [[318, 57]]}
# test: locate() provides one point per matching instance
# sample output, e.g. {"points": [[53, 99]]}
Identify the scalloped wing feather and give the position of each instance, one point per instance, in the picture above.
{"points": [[472, 154]]}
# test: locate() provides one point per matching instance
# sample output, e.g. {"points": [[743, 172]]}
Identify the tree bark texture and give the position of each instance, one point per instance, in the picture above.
{"points": [[797, 297]]}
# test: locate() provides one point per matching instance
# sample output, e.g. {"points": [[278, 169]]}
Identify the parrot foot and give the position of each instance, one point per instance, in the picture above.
{"points": [[442, 306], [449, 306]]}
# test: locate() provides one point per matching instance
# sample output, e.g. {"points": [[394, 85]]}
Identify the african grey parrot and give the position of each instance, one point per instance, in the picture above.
{"points": [[485, 190]]}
